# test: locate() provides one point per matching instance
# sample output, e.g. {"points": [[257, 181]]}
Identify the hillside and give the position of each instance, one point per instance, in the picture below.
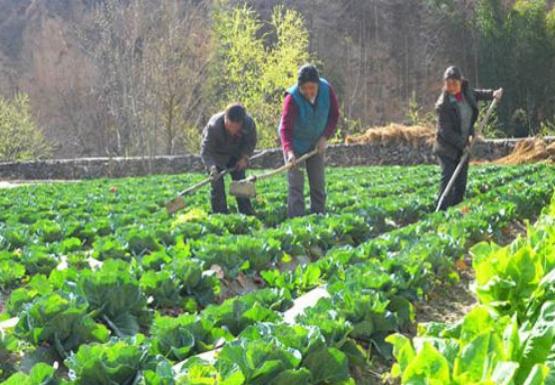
{"points": [[381, 56]]}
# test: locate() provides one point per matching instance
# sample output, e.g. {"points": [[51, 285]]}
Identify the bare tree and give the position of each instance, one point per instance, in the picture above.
{"points": [[151, 57], [176, 59]]}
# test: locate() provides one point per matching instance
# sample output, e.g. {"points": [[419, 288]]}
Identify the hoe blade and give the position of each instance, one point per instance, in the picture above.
{"points": [[175, 205], [243, 189]]}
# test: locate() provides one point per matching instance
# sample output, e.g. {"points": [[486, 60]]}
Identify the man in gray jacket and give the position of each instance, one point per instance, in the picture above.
{"points": [[228, 141]]}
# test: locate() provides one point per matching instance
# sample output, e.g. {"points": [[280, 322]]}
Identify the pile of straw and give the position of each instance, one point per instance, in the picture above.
{"points": [[530, 151]]}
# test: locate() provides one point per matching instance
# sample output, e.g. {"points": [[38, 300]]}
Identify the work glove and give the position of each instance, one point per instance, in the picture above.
{"points": [[322, 145], [213, 172], [242, 164], [469, 141], [468, 146], [291, 158]]}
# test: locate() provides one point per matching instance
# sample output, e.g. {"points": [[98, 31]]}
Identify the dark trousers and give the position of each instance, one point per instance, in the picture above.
{"points": [[218, 196], [316, 178], [456, 195]]}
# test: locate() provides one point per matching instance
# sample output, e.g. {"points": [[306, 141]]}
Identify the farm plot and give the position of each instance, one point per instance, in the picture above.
{"points": [[100, 283], [508, 338]]}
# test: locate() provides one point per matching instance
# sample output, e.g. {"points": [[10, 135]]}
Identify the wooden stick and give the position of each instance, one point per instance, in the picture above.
{"points": [[281, 169], [223, 173]]}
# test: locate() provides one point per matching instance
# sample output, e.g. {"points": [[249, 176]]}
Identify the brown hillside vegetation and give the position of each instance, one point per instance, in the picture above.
{"points": [[396, 133]]}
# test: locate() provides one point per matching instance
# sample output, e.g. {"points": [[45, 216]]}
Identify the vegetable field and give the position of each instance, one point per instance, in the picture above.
{"points": [[99, 285]]}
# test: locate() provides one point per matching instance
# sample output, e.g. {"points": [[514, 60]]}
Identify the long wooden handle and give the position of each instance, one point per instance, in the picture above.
{"points": [[223, 173], [484, 120], [203, 183], [281, 169]]}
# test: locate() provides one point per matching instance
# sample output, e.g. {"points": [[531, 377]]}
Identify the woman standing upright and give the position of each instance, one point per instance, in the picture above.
{"points": [[457, 110], [309, 119]]}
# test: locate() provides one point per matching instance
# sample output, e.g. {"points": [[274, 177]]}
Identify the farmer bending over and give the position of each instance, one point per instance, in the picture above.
{"points": [[457, 110], [309, 119], [228, 141]]}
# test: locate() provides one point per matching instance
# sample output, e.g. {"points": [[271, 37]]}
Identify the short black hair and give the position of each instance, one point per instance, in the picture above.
{"points": [[236, 113], [453, 73], [308, 73]]}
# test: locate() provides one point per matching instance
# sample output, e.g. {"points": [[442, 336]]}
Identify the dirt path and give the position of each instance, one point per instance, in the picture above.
{"points": [[447, 303], [10, 184], [6, 184]]}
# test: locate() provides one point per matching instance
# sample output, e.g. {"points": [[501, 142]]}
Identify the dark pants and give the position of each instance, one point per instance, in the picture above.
{"points": [[218, 198], [316, 179], [456, 195]]}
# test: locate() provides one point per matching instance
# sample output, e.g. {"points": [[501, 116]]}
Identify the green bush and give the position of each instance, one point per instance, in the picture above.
{"points": [[20, 139], [256, 68]]}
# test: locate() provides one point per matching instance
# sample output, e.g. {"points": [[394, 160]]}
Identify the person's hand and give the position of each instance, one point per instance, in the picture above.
{"points": [[242, 164], [498, 94], [466, 150], [213, 172], [469, 140], [291, 158], [322, 144], [467, 147]]}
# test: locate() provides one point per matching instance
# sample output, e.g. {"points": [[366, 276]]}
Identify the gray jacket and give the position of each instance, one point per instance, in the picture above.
{"points": [[218, 148]]}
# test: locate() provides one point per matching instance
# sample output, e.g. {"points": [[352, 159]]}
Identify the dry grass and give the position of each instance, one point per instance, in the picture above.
{"points": [[530, 151], [394, 133]]}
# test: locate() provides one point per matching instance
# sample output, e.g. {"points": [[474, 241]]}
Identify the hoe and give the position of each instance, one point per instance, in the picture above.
{"points": [[178, 203], [246, 188]]}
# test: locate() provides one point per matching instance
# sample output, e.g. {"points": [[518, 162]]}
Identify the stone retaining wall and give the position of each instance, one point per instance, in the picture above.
{"points": [[338, 155]]}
